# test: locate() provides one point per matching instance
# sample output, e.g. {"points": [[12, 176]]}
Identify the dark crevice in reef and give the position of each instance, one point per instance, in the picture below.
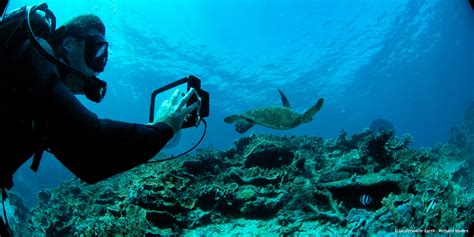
{"points": [[377, 192]]}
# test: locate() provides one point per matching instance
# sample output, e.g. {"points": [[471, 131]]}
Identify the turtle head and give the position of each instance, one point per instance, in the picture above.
{"points": [[309, 114]]}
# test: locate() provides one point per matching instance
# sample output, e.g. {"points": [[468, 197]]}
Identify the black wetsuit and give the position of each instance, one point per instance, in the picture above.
{"points": [[37, 111]]}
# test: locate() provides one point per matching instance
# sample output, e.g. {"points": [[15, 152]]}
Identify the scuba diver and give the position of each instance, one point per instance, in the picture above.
{"points": [[42, 69]]}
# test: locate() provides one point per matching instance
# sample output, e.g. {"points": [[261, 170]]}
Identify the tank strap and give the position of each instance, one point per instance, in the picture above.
{"points": [[36, 160], [40, 129]]}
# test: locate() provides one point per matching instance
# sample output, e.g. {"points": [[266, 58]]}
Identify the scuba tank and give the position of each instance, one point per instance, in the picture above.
{"points": [[14, 28], [13, 25]]}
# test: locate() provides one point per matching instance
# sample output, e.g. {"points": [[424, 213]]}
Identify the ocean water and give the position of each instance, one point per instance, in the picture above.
{"points": [[410, 62]]}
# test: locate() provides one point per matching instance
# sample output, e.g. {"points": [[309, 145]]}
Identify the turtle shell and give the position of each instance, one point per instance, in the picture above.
{"points": [[276, 117]]}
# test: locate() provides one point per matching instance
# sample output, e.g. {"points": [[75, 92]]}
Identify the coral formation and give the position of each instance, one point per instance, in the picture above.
{"points": [[272, 185], [463, 134]]}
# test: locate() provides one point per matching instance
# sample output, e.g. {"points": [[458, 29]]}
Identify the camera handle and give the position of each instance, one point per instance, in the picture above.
{"points": [[199, 103]]}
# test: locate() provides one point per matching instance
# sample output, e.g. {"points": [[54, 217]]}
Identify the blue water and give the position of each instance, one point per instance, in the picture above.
{"points": [[410, 62]]}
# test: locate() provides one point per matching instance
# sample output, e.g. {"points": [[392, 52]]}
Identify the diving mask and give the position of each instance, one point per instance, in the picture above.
{"points": [[96, 52]]}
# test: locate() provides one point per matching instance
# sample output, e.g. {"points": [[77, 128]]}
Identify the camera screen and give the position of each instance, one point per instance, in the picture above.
{"points": [[166, 95]]}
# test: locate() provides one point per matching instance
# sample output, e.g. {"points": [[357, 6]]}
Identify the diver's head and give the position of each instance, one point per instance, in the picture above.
{"points": [[81, 44]]}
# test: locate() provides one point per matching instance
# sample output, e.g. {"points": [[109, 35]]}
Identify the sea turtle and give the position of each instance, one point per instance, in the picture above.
{"points": [[276, 117]]}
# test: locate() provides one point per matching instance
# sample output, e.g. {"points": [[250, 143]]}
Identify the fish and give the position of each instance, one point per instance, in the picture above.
{"points": [[366, 200]]}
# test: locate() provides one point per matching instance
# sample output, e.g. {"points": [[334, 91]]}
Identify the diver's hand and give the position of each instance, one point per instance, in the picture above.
{"points": [[174, 111]]}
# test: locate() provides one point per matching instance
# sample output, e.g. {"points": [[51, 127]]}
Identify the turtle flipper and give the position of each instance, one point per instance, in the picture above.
{"points": [[243, 126], [308, 115], [232, 118], [284, 100]]}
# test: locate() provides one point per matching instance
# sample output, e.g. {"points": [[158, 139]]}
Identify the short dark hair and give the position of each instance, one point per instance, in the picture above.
{"points": [[77, 26]]}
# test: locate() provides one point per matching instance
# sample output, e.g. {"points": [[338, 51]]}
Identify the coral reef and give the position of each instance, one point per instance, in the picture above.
{"points": [[271, 185], [463, 134]]}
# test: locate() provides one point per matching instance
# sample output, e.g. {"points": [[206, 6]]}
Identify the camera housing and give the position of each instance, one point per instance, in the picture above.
{"points": [[201, 96]]}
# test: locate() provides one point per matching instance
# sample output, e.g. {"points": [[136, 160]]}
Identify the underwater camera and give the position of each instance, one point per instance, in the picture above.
{"points": [[195, 117], [201, 96]]}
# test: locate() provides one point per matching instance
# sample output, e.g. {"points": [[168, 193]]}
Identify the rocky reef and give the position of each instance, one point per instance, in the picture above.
{"points": [[462, 135], [272, 185]]}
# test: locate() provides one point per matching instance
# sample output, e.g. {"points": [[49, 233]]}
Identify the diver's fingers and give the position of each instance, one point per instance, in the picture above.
{"points": [[174, 97], [190, 108], [186, 97], [165, 102]]}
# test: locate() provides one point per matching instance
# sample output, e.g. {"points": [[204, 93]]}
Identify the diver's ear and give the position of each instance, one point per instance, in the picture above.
{"points": [[69, 43]]}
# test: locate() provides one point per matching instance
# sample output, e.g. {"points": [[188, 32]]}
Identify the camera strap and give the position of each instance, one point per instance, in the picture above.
{"points": [[186, 152]]}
